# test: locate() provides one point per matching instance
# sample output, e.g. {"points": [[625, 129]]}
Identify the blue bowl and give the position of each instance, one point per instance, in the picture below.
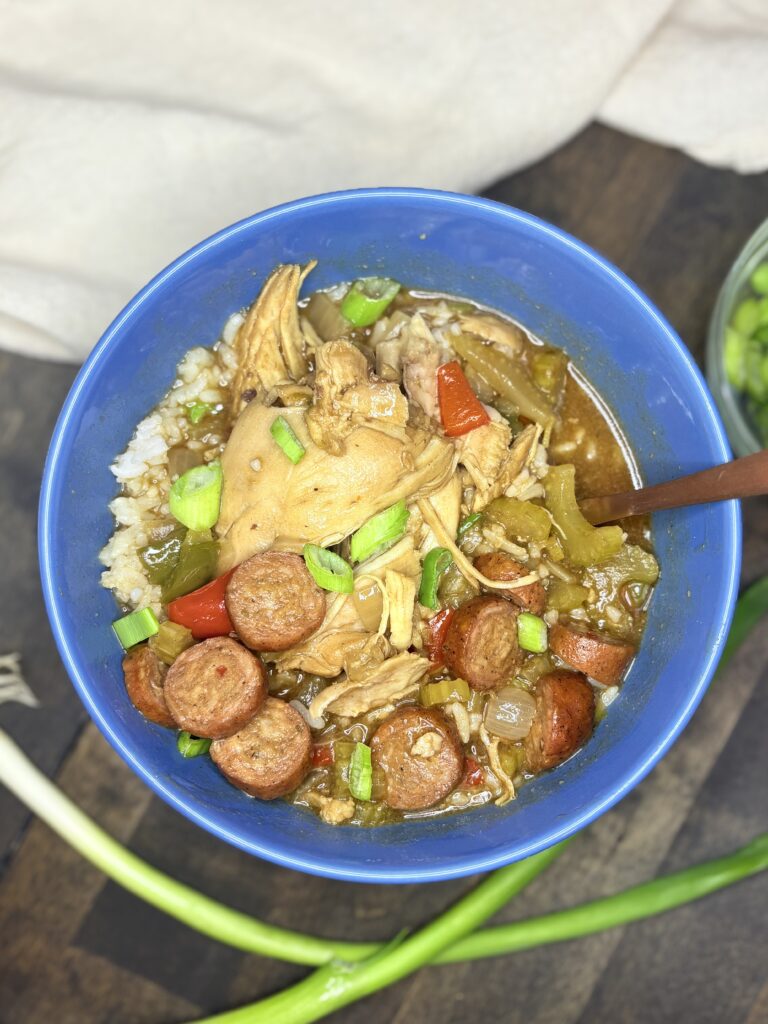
{"points": [[498, 256]]}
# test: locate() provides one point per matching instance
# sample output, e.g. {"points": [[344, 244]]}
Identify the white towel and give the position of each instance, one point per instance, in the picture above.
{"points": [[130, 131]]}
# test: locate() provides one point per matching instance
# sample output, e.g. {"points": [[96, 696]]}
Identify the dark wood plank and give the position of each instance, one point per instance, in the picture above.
{"points": [[76, 948]]}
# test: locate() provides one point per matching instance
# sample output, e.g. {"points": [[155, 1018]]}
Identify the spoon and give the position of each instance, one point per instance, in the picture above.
{"points": [[742, 478]]}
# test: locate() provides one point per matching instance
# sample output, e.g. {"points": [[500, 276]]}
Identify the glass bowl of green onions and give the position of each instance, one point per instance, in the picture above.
{"points": [[737, 347]]}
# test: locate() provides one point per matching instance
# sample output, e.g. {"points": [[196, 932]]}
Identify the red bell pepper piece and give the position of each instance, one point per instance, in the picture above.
{"points": [[437, 627], [322, 755], [203, 611], [460, 408], [473, 772]]}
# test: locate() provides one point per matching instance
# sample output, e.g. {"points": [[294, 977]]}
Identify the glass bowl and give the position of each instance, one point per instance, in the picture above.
{"points": [[742, 431]]}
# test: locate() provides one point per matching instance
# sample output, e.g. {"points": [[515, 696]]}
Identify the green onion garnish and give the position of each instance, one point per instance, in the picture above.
{"points": [[192, 746], [328, 570], [531, 633], [379, 533], [361, 772], [467, 524], [282, 432], [367, 299], [135, 627], [198, 411], [195, 497], [435, 564]]}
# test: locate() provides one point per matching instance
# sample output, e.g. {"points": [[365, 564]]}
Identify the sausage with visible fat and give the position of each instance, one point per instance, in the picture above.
{"points": [[499, 566], [269, 756], [481, 642], [273, 601], [144, 676], [598, 656], [420, 756], [565, 716], [213, 688]]}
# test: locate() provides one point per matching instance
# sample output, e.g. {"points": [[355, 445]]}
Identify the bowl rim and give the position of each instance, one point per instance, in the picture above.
{"points": [[270, 848]]}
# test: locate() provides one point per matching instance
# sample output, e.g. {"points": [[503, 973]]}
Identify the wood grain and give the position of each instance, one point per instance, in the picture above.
{"points": [[75, 948]]}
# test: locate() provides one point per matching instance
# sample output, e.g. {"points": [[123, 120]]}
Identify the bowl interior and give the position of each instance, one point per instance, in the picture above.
{"points": [[497, 256]]}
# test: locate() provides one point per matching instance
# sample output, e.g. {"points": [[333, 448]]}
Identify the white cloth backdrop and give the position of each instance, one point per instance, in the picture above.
{"points": [[129, 131]]}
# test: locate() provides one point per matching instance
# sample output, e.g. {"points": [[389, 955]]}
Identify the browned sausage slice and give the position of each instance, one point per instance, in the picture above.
{"points": [[273, 602], [215, 687], [499, 566], [270, 756], [420, 755], [599, 656], [144, 673], [565, 715], [481, 642]]}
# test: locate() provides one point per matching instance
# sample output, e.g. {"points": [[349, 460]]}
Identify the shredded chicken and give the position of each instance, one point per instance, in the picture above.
{"points": [[460, 715], [333, 810], [270, 347], [507, 785], [447, 505], [427, 745], [500, 332], [346, 395], [491, 463], [401, 595], [392, 680], [420, 359]]}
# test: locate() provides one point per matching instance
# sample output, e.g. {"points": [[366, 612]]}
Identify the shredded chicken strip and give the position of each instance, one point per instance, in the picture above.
{"points": [[468, 571], [508, 786]]}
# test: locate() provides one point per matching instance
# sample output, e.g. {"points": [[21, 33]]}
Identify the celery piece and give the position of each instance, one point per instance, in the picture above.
{"points": [[584, 544], [564, 597], [548, 368], [444, 691], [522, 520], [170, 641]]}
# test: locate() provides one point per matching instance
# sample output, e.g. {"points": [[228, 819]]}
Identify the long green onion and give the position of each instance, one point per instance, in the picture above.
{"points": [[367, 299], [195, 497], [328, 569], [379, 533], [192, 746], [361, 772], [531, 633], [435, 564], [284, 436], [750, 608], [135, 627]]}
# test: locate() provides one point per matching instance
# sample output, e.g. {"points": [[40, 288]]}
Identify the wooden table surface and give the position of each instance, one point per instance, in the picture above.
{"points": [[76, 949]]}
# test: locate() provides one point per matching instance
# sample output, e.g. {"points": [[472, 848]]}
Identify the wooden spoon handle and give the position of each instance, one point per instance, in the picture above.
{"points": [[742, 478]]}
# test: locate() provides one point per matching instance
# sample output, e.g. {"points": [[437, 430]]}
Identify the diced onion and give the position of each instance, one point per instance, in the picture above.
{"points": [[195, 497], [138, 626], [284, 437], [329, 570], [379, 533], [509, 713]]}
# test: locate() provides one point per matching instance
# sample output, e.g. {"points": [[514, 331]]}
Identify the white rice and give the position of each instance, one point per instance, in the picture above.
{"points": [[202, 375]]}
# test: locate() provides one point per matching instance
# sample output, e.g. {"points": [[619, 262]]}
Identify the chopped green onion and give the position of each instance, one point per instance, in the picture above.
{"points": [[379, 533], [443, 691], [361, 772], [759, 278], [135, 627], [282, 432], [198, 411], [435, 564], [367, 299], [746, 316], [531, 633], [328, 569], [192, 746], [195, 497], [466, 524]]}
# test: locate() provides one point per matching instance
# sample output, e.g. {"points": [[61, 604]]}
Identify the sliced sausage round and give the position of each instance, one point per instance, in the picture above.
{"points": [[565, 715], [273, 602], [215, 687], [499, 566], [480, 643], [144, 675], [269, 756], [420, 757], [599, 656]]}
